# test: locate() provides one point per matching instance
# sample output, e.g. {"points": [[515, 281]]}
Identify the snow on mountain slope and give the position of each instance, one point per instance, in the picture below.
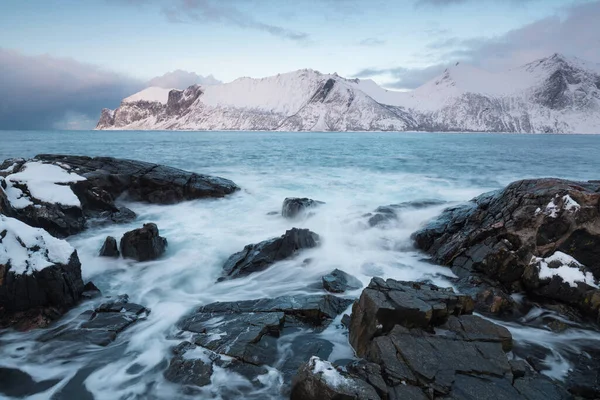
{"points": [[554, 95]]}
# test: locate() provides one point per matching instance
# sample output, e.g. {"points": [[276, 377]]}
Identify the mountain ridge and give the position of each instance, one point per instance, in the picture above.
{"points": [[550, 95]]}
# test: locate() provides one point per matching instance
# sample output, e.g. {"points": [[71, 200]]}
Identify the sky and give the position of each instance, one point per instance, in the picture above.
{"points": [[62, 61]]}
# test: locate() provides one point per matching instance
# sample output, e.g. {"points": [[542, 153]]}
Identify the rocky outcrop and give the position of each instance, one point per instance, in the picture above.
{"points": [[246, 336], [40, 276], [386, 214], [109, 248], [338, 281], [419, 341], [89, 189], [293, 207], [535, 236], [100, 326], [143, 244], [260, 256]]}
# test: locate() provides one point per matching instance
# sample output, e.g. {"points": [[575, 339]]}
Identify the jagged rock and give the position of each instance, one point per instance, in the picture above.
{"points": [[143, 244], [90, 188], [532, 236], [100, 326], [339, 281], [294, 206], [320, 380], [90, 291], [109, 248], [40, 275], [260, 256], [384, 214], [252, 332], [420, 342]]}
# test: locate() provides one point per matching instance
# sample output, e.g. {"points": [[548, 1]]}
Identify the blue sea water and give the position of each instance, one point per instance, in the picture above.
{"points": [[352, 172]]}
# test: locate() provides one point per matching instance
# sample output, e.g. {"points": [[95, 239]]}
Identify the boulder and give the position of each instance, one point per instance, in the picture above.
{"points": [[419, 341], [109, 248], [65, 194], [282, 332], [320, 380], [294, 206], [385, 214], [535, 235], [260, 256], [338, 281], [100, 326], [40, 275], [143, 244]]}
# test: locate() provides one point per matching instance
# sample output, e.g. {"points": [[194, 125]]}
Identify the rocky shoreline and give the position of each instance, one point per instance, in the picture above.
{"points": [[533, 245]]}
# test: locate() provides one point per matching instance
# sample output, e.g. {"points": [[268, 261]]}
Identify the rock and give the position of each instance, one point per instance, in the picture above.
{"points": [[109, 248], [100, 326], [419, 341], [143, 244], [90, 291], [384, 304], [40, 275], [339, 281], [282, 332], [294, 206], [93, 185], [532, 236], [260, 256], [384, 214], [18, 384], [320, 380]]}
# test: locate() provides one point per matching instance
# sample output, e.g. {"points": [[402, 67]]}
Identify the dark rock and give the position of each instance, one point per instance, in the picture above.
{"points": [[90, 291], [109, 248], [294, 207], [504, 235], [339, 281], [101, 326], [260, 256], [108, 179], [256, 332], [583, 379], [18, 384], [320, 380], [384, 214], [143, 244]]}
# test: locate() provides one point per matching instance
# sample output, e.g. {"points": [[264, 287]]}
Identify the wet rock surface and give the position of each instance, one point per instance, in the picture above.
{"points": [[385, 214], [106, 181], [260, 256], [109, 248], [294, 207], [419, 341], [529, 237], [338, 281], [143, 244], [246, 336], [101, 325]]}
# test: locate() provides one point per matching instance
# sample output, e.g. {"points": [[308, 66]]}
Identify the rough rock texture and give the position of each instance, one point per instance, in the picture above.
{"points": [[294, 206], [255, 333], [260, 256], [143, 244], [109, 248], [100, 326], [338, 281], [106, 180], [32, 300], [418, 341], [520, 238]]}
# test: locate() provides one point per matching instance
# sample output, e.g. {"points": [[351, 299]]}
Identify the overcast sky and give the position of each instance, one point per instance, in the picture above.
{"points": [[62, 61]]}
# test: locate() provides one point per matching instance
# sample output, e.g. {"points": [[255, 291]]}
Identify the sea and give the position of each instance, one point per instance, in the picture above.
{"points": [[353, 173]]}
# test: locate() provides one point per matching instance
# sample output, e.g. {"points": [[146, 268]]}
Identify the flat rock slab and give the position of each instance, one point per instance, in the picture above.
{"points": [[100, 326]]}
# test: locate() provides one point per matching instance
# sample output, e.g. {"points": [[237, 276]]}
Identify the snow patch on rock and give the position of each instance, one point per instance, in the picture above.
{"points": [[45, 182], [26, 249], [557, 204], [566, 267], [328, 372]]}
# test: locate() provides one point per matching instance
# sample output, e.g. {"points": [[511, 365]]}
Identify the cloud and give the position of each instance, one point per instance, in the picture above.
{"points": [[182, 79], [372, 42], [575, 32], [42, 92]]}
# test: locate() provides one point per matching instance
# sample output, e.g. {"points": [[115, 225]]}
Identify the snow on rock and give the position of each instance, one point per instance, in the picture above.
{"points": [[44, 182], [557, 204], [566, 267], [25, 249], [328, 372]]}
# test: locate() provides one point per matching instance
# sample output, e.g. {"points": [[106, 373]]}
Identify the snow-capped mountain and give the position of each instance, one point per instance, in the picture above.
{"points": [[554, 95]]}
